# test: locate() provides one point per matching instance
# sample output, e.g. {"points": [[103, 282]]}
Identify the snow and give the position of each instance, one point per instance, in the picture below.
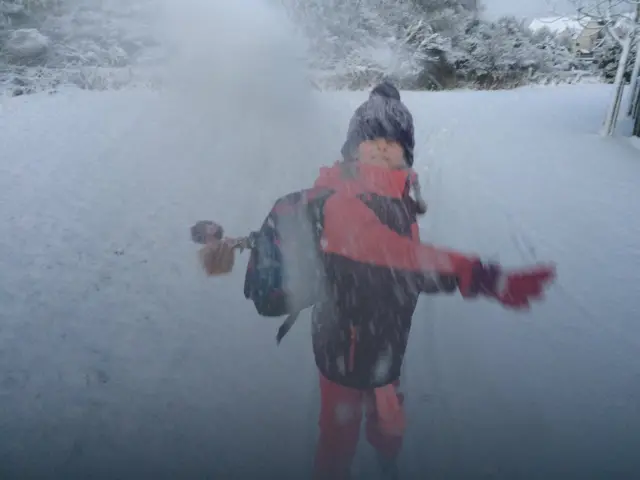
{"points": [[11, 9], [105, 44], [26, 43], [558, 24], [635, 142], [117, 354]]}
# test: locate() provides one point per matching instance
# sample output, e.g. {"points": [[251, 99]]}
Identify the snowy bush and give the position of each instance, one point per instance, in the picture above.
{"points": [[607, 55], [44, 43], [419, 44], [26, 45], [424, 44], [506, 53], [355, 43]]}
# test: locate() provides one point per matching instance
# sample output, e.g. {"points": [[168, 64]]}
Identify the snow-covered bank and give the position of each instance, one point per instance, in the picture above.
{"points": [[117, 357]]}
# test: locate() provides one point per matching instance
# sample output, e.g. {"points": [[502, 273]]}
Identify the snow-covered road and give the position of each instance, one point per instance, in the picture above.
{"points": [[118, 358]]}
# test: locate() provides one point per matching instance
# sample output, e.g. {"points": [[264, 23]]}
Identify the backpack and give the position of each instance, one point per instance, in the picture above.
{"points": [[285, 272]]}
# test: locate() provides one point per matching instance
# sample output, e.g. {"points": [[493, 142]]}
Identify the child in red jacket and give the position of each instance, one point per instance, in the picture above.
{"points": [[375, 268]]}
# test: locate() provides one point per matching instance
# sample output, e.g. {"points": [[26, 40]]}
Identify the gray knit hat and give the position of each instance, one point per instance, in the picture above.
{"points": [[383, 115]]}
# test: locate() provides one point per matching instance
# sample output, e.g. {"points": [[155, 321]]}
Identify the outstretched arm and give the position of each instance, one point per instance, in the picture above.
{"points": [[436, 268]]}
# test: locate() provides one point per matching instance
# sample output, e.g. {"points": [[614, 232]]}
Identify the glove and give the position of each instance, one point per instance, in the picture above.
{"points": [[206, 231], [513, 289], [218, 257]]}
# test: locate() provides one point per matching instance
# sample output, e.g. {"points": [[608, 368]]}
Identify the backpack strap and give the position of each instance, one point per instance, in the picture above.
{"points": [[413, 187], [286, 326]]}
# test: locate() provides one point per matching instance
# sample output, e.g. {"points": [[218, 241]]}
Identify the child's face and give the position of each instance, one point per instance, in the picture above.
{"points": [[383, 153]]}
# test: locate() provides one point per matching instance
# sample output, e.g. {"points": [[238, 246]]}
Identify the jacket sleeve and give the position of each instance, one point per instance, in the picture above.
{"points": [[353, 230]]}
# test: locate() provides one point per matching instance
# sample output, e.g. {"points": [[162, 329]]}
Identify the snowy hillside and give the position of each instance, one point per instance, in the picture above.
{"points": [[117, 356], [93, 44], [430, 44]]}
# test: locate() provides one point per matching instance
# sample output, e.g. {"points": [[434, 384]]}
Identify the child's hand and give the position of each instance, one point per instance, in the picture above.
{"points": [[516, 289], [218, 257]]}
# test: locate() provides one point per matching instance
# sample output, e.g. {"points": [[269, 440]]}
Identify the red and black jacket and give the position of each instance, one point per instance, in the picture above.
{"points": [[376, 268]]}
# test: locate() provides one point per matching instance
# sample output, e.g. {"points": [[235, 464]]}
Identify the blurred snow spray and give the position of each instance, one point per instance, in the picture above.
{"points": [[243, 53], [238, 78], [239, 70]]}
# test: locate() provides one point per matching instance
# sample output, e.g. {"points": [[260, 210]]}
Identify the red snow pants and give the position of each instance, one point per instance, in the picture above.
{"points": [[340, 418]]}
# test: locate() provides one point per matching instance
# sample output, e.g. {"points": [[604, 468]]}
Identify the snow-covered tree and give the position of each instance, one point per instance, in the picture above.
{"points": [[420, 43], [350, 43], [621, 25], [434, 6], [354, 43], [90, 43], [505, 52], [606, 56]]}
